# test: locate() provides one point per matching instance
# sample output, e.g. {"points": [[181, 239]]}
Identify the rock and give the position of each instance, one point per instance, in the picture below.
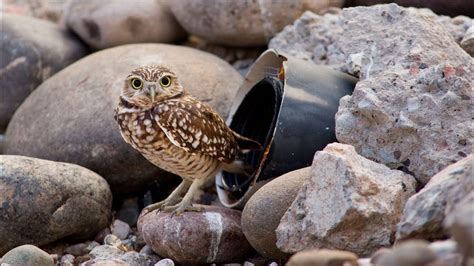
{"points": [[146, 250], [120, 229], [87, 134], [2, 142], [409, 253], [104, 253], [258, 21], [114, 241], [467, 42], [43, 201], [165, 262], [425, 211], [67, 260], [81, 248], [129, 211], [211, 236], [375, 258], [349, 203], [32, 51], [27, 255], [102, 234], [103, 24], [452, 8], [411, 109], [460, 223], [323, 257], [259, 223], [446, 252], [48, 10]]}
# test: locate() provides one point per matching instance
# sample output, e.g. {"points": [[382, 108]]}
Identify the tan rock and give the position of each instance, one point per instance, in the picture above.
{"points": [[44, 201], [266, 207], [70, 117], [103, 24], [242, 23], [349, 203], [323, 257]]}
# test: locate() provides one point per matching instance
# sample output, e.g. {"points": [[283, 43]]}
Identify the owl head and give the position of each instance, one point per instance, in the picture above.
{"points": [[146, 86]]}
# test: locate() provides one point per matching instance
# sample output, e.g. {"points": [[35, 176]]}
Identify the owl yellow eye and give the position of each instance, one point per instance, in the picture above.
{"points": [[165, 81], [136, 83]]}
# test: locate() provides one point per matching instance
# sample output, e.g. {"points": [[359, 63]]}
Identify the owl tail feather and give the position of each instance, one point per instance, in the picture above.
{"points": [[246, 144]]}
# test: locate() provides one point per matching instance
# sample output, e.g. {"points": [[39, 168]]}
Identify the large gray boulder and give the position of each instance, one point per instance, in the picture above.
{"points": [[32, 51], [69, 117], [412, 107], [43, 201]]}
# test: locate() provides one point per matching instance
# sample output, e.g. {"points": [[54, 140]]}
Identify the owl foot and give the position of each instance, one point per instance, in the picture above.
{"points": [[182, 207]]}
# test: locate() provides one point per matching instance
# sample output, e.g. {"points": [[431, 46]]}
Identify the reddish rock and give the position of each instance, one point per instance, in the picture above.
{"points": [[211, 236]]}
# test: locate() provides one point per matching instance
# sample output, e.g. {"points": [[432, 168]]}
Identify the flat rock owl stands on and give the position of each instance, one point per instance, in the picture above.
{"points": [[177, 133]]}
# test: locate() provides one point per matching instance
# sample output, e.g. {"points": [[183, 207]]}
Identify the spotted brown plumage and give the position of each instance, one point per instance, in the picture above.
{"points": [[176, 132]]}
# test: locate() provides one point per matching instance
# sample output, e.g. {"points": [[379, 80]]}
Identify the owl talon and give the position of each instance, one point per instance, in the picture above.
{"points": [[180, 208]]}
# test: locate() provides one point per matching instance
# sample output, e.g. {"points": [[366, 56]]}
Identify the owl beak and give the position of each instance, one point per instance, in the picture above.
{"points": [[152, 92]]}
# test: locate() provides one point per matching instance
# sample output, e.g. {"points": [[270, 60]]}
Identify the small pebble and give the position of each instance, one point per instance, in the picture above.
{"points": [[323, 257], [165, 262], [248, 263], [146, 250], [102, 234], [67, 260], [378, 254], [120, 229]]}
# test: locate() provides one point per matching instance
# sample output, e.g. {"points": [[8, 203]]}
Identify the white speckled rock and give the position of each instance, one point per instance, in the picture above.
{"points": [[467, 42], [411, 109], [103, 24], [243, 22], [211, 236], [349, 203]]}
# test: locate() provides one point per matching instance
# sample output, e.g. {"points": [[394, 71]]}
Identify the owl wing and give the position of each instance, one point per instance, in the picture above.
{"points": [[196, 128]]}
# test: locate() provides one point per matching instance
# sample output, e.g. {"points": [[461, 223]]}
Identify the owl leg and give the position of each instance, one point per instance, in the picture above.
{"points": [[173, 198], [186, 203]]}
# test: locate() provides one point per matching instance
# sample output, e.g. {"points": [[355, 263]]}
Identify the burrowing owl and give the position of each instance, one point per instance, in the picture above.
{"points": [[177, 133]]}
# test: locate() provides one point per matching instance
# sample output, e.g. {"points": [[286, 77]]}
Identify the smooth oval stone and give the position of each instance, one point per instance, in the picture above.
{"points": [[43, 201], [211, 236], [69, 117], [103, 24], [266, 207], [32, 50]]}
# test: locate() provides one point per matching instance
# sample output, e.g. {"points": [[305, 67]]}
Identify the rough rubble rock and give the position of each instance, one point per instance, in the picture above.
{"points": [[75, 123], [32, 51], [411, 108], [323, 257], [49, 10], [27, 255], [452, 8], [211, 236], [349, 203], [43, 201], [227, 22], [425, 211], [460, 223], [259, 224], [103, 24]]}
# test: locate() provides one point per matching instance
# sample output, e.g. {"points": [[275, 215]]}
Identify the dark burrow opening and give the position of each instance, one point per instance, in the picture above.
{"points": [[256, 119]]}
